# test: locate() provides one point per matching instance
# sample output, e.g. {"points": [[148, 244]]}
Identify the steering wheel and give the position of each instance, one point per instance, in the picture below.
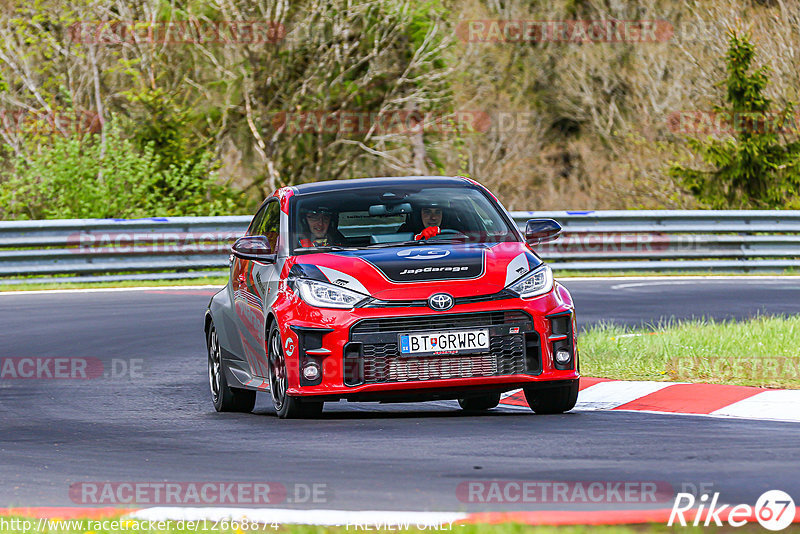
{"points": [[447, 233]]}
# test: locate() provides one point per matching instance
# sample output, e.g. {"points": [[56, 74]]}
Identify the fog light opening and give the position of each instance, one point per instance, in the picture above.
{"points": [[562, 356], [310, 371]]}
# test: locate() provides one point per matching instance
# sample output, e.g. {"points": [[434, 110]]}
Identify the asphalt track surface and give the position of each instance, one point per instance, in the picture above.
{"points": [[160, 426]]}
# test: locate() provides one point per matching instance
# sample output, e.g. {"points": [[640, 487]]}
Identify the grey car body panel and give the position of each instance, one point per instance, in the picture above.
{"points": [[239, 368]]}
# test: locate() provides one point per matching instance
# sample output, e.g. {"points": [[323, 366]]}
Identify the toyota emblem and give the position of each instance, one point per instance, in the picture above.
{"points": [[440, 302]]}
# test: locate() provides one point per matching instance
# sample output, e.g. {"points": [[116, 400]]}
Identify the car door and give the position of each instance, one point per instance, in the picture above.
{"points": [[250, 281], [259, 282]]}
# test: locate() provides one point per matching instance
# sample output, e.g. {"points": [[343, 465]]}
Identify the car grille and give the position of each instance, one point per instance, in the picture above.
{"points": [[423, 303], [439, 322], [382, 361]]}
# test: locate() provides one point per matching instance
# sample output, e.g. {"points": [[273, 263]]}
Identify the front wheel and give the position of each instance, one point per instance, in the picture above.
{"points": [[286, 406], [224, 397], [557, 399]]}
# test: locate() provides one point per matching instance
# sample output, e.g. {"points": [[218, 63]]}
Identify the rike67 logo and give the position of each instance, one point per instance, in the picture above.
{"points": [[774, 510]]}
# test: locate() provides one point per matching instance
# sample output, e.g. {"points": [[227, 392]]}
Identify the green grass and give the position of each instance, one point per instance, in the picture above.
{"points": [[129, 527], [756, 352]]}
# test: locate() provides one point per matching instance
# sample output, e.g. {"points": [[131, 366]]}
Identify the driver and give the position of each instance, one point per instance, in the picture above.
{"points": [[319, 227], [425, 221], [431, 222]]}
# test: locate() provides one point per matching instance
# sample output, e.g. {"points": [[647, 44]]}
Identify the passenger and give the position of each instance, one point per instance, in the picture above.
{"points": [[319, 228]]}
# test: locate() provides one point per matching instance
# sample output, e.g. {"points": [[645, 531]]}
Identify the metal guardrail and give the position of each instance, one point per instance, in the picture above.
{"points": [[188, 247], [117, 249], [673, 240]]}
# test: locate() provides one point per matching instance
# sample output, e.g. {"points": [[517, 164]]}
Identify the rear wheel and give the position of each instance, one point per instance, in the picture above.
{"points": [[479, 403], [286, 406], [224, 397], [557, 399]]}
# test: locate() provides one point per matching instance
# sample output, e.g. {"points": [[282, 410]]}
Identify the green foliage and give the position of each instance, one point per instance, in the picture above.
{"points": [[76, 177], [166, 125], [424, 17], [754, 168]]}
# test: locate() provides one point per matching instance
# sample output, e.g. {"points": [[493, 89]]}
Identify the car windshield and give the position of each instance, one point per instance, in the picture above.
{"points": [[377, 217]]}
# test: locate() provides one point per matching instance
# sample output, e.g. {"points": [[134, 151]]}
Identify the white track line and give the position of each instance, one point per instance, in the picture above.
{"points": [[765, 281]]}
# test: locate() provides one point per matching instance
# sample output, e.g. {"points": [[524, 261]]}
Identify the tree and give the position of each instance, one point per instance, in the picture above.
{"points": [[754, 167], [289, 102]]}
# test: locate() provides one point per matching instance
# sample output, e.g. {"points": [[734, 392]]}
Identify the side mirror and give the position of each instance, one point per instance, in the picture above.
{"points": [[539, 231], [253, 247]]}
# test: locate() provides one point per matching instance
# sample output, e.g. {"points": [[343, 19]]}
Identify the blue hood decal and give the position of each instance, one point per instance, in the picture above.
{"points": [[425, 262]]}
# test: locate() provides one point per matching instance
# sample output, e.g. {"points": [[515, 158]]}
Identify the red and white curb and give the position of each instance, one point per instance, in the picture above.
{"points": [[680, 398]]}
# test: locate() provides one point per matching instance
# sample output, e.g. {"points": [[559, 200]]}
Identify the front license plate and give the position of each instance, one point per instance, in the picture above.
{"points": [[450, 342]]}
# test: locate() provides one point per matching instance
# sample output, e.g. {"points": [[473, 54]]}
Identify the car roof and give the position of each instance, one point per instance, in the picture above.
{"points": [[343, 185]]}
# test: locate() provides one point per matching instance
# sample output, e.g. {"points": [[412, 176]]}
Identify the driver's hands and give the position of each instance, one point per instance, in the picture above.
{"points": [[427, 233]]}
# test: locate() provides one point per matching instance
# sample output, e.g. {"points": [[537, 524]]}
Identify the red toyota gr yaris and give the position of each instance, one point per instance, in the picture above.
{"points": [[392, 290]]}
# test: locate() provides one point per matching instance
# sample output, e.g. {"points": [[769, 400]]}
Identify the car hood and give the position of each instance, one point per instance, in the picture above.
{"points": [[416, 272]]}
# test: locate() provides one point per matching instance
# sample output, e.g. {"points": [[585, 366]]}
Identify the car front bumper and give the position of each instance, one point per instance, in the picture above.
{"points": [[357, 356]]}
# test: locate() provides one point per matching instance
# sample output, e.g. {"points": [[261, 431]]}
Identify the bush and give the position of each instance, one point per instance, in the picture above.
{"points": [[76, 177]]}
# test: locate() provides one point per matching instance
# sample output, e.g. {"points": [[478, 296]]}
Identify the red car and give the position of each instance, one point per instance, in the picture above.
{"points": [[393, 290]]}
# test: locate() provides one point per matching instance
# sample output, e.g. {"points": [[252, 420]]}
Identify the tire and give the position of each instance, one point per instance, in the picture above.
{"points": [[479, 403], [558, 399], [286, 406], [224, 397]]}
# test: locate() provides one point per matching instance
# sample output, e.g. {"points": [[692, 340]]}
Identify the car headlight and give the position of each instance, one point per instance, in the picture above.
{"points": [[324, 295], [537, 282]]}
